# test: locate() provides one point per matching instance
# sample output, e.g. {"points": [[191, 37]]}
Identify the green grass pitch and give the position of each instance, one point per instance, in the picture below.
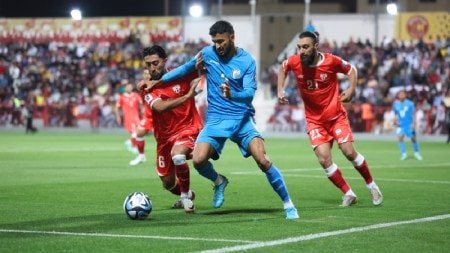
{"points": [[63, 192]]}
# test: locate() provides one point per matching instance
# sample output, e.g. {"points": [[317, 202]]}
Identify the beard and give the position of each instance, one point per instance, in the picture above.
{"points": [[156, 75], [223, 51], [308, 59]]}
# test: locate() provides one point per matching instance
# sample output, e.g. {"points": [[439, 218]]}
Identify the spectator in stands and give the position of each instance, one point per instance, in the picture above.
{"points": [[447, 117], [388, 120], [27, 112], [367, 115]]}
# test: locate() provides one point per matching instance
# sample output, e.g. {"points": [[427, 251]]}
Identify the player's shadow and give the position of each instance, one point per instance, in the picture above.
{"points": [[243, 211]]}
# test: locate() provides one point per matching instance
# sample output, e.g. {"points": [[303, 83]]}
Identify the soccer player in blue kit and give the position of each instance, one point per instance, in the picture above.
{"points": [[231, 85], [405, 120]]}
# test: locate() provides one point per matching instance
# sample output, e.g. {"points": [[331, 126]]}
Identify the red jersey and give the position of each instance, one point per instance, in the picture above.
{"points": [[130, 104], [319, 86], [169, 123]]}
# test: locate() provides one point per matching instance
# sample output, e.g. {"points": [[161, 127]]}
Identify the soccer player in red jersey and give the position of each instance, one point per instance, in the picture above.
{"points": [[130, 102], [176, 123], [144, 127], [317, 81]]}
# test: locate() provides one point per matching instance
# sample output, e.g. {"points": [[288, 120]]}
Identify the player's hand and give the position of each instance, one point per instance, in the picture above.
{"points": [[226, 92], [346, 96], [149, 84], [195, 88], [146, 84], [141, 85], [199, 64], [282, 99]]}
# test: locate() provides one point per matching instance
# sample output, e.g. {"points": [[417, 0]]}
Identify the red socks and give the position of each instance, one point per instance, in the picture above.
{"points": [[337, 179]]}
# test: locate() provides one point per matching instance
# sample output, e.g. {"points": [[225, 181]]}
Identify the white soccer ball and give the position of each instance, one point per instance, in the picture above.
{"points": [[137, 206]]}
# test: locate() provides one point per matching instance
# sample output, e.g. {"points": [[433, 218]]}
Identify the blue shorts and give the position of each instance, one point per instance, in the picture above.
{"points": [[217, 131], [406, 131]]}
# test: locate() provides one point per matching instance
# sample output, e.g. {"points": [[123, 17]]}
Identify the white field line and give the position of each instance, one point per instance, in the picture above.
{"points": [[378, 179], [256, 171], [120, 236], [250, 245], [291, 174], [322, 235]]}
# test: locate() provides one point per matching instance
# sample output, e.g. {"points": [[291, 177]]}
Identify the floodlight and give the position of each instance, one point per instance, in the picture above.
{"points": [[391, 8], [196, 10], [76, 14]]}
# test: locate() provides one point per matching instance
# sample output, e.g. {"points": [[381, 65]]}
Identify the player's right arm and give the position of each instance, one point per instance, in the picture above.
{"points": [[160, 106], [116, 111], [281, 80]]}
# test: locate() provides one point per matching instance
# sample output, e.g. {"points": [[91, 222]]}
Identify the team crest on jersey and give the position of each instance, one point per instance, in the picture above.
{"points": [[176, 88], [323, 76], [236, 73], [338, 131], [148, 98]]}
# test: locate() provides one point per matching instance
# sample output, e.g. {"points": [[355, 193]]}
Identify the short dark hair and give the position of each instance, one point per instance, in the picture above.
{"points": [[313, 35], [221, 26], [155, 49]]}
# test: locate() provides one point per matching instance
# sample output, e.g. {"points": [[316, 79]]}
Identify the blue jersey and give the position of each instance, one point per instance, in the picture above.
{"points": [[405, 112], [240, 71]]}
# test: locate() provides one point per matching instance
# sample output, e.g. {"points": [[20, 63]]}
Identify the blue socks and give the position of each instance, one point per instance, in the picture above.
{"points": [[402, 147], [277, 182], [416, 147], [273, 176], [208, 171]]}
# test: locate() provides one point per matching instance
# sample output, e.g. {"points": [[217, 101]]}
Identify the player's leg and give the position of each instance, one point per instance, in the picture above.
{"points": [[179, 156], [131, 142], [360, 164], [401, 143], [202, 152], [207, 147], [140, 144], [334, 174], [412, 136], [256, 148], [166, 170]]}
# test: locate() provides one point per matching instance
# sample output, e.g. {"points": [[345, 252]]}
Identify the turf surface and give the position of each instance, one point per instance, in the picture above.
{"points": [[63, 192]]}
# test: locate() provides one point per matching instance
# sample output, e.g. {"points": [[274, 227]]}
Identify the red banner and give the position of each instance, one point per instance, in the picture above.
{"points": [[148, 29]]}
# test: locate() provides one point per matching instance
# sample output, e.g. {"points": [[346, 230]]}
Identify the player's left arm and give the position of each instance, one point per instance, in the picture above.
{"points": [[347, 95], [249, 87]]}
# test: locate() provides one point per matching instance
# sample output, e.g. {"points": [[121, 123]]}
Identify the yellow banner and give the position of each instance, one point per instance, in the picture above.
{"points": [[422, 25], [150, 29]]}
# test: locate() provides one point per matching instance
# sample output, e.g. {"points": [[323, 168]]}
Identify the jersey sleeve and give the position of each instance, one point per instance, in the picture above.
{"points": [[341, 65], [151, 98], [181, 71], [286, 65]]}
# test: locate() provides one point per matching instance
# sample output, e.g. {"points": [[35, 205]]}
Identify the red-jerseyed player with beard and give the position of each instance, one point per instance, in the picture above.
{"points": [[176, 125], [317, 81], [130, 102], [144, 127]]}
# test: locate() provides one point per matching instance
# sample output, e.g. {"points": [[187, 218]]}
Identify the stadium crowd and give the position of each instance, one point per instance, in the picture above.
{"points": [[66, 82]]}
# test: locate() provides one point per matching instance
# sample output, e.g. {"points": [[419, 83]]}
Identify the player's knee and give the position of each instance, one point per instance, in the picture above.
{"points": [[325, 161], [179, 159], [264, 163], [199, 161]]}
